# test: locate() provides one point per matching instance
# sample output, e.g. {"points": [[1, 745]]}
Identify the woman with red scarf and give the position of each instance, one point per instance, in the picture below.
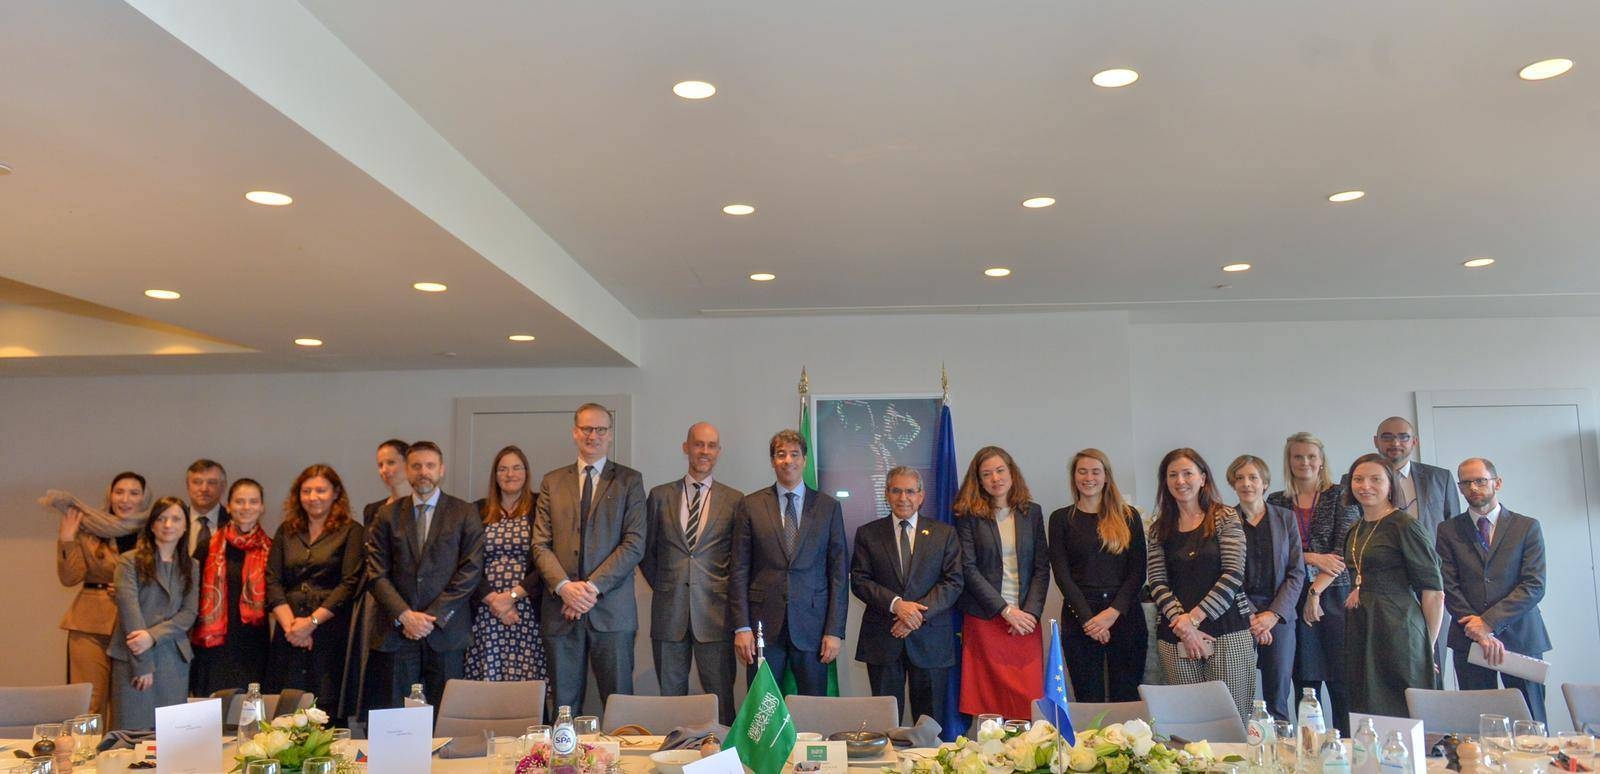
{"points": [[230, 637]]}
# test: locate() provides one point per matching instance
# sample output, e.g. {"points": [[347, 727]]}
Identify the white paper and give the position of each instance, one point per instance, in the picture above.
{"points": [[1410, 730], [189, 737], [400, 741], [725, 762], [826, 757], [1514, 664]]}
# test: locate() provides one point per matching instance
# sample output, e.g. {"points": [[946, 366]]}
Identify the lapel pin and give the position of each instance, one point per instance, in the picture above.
{"points": [[924, 532]]}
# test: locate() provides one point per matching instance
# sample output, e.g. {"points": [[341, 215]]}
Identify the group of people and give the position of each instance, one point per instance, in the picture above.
{"points": [[1345, 585]]}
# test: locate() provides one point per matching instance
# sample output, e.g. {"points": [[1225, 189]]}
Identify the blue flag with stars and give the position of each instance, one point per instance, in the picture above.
{"points": [[1055, 688]]}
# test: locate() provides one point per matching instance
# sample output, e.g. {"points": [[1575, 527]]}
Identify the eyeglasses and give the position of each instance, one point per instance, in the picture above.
{"points": [[895, 491], [597, 431], [1391, 437], [1476, 483]]}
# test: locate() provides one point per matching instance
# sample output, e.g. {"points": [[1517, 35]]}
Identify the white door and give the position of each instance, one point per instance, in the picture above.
{"points": [[1543, 449]]}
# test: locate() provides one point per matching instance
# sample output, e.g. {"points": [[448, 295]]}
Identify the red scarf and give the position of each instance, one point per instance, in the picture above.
{"points": [[212, 628]]}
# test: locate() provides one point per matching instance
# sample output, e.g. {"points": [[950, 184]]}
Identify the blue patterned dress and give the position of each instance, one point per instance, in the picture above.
{"points": [[500, 652]]}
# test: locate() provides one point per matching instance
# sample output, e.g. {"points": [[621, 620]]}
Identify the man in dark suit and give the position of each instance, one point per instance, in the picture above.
{"points": [[588, 536], [424, 561], [789, 572], [1492, 561], [686, 563], [908, 573], [206, 480]]}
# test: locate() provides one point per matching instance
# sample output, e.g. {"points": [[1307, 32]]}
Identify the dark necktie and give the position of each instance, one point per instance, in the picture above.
{"points": [[905, 550], [1483, 531], [696, 503], [583, 517], [791, 524], [422, 527]]}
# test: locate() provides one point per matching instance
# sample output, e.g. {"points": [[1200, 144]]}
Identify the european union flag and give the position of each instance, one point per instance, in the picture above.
{"points": [[1055, 687]]}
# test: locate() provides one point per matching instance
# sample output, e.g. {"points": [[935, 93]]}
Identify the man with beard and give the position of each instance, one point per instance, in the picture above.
{"points": [[424, 561], [1426, 491]]}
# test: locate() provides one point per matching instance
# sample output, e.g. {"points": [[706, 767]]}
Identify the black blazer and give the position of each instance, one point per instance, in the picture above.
{"points": [[980, 561], [1503, 583], [440, 582], [935, 580], [808, 592], [1287, 562]]}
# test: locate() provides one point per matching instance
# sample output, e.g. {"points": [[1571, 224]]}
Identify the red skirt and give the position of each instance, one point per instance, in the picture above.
{"points": [[1001, 673]]}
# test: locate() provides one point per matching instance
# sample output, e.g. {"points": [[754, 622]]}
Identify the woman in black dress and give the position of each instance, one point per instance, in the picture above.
{"points": [[313, 572], [230, 638]]}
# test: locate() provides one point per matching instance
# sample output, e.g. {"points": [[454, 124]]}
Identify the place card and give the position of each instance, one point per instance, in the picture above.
{"points": [[825, 757], [400, 741], [725, 762], [189, 738]]}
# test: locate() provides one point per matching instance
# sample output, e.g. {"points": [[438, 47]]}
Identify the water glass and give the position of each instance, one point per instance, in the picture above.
{"points": [[977, 723], [51, 731], [504, 752], [1577, 745], [43, 764], [342, 747], [539, 734], [87, 731], [586, 725], [1530, 736], [263, 766], [319, 766], [1287, 738]]}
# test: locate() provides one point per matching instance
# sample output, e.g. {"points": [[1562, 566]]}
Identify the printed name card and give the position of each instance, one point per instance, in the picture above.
{"points": [[400, 741], [1410, 730], [825, 757], [189, 738], [725, 762]]}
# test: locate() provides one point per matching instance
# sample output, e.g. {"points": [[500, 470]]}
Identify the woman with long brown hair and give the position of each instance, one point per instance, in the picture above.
{"points": [[157, 591], [1098, 555], [230, 639], [314, 569], [1006, 565], [505, 621]]}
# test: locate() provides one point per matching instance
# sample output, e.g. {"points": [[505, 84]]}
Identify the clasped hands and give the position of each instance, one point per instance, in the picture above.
{"points": [[577, 597], [1098, 628], [1494, 651], [744, 646], [907, 617], [1193, 642], [140, 642], [299, 632], [415, 625], [503, 607], [1021, 621]]}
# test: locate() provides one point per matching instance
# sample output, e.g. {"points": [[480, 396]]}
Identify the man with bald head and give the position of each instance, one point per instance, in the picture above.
{"points": [[690, 523], [1426, 492]]}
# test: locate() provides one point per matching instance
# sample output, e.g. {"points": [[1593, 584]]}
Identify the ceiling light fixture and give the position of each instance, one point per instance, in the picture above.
{"points": [[5, 169], [269, 198], [1477, 263], [1038, 202], [520, 337], [309, 342], [1346, 196], [763, 276], [997, 271], [738, 209], [1237, 267], [430, 287], [693, 89], [1114, 79], [1545, 69], [163, 295]]}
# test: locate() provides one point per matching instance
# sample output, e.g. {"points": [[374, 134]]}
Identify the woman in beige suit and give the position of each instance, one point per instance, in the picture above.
{"points": [[90, 561]]}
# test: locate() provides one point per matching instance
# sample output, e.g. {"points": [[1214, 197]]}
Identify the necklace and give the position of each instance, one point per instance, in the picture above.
{"points": [[1358, 553]]}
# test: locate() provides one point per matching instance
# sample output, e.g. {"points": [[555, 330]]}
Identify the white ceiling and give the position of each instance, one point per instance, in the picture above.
{"points": [[886, 146]]}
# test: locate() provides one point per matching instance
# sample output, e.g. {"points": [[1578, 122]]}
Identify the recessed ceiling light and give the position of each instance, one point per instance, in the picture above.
{"points": [[738, 209], [693, 89], [1114, 79], [520, 337], [5, 169], [997, 271], [269, 198], [1237, 267], [1346, 196], [762, 276], [1477, 263], [163, 295], [1546, 69], [309, 342], [430, 287], [1038, 202]]}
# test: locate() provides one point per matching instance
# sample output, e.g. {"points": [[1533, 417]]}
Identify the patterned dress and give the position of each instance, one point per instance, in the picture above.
{"points": [[500, 652]]}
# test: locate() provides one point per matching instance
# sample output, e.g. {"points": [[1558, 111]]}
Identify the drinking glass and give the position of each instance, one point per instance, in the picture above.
{"points": [[977, 723], [504, 752], [319, 766], [51, 731], [586, 725], [1287, 737], [43, 764], [87, 731], [539, 734], [1530, 736], [263, 766], [1577, 745], [342, 747], [1494, 736]]}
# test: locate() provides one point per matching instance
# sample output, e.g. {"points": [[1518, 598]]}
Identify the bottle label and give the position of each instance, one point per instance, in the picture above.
{"points": [[1253, 734], [564, 740]]}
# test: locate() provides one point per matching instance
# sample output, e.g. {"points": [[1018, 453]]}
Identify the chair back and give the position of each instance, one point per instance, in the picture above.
{"points": [[23, 706], [1084, 713], [1194, 712], [832, 714], [470, 707], [272, 704], [1456, 712], [659, 714], [1583, 704]]}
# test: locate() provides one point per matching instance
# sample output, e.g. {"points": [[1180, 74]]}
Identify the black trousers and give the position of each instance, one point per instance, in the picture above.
{"points": [[415, 662], [1319, 655], [810, 674], [1276, 664], [1472, 677], [1109, 672], [928, 686]]}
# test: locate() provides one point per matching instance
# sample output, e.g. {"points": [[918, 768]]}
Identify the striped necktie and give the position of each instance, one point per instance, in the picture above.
{"points": [[696, 503]]}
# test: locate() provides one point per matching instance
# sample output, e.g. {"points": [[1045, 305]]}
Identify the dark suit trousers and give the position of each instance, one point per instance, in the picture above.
{"points": [[570, 656], [1109, 672], [810, 674], [715, 661], [927, 687], [1472, 677], [1276, 662], [416, 662]]}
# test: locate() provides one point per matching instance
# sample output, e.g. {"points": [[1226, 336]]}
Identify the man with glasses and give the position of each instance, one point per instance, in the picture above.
{"points": [[1492, 561], [588, 536], [1426, 492]]}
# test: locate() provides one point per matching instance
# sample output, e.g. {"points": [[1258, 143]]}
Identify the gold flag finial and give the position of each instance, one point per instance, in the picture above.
{"points": [[805, 382], [944, 382]]}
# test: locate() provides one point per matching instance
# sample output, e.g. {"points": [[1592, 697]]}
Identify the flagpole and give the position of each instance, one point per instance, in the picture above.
{"points": [[1055, 709], [761, 643]]}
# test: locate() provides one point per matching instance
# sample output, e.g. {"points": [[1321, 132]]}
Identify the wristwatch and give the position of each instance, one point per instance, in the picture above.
{"points": [[514, 595], [314, 621]]}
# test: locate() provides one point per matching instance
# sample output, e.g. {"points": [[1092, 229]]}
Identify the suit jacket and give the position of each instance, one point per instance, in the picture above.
{"points": [[89, 559], [161, 607], [691, 587], [981, 563], [809, 591], [1287, 562], [612, 542], [440, 581], [1502, 583], [935, 580], [1437, 499]]}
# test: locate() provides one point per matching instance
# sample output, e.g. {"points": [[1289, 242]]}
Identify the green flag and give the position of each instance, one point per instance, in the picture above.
{"points": [[762, 733]]}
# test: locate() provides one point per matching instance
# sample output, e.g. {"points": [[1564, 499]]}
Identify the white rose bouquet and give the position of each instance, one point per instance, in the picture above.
{"points": [[288, 739], [1119, 748]]}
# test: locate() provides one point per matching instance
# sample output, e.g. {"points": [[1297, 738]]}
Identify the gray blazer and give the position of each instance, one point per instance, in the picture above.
{"points": [[1503, 583], [1287, 562], [439, 582], [613, 544], [809, 591], [160, 607], [691, 587]]}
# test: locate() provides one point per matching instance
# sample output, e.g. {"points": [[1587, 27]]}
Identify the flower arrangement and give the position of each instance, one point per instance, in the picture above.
{"points": [[591, 759], [288, 739], [1115, 749]]}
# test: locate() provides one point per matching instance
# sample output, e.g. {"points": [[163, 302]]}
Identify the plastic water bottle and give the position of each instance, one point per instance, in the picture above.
{"points": [[1394, 758], [1260, 733], [252, 711], [416, 699], [1311, 727], [1365, 759], [564, 743], [1334, 758]]}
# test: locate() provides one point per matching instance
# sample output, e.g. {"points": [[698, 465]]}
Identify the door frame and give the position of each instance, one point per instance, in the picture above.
{"points": [[467, 408]]}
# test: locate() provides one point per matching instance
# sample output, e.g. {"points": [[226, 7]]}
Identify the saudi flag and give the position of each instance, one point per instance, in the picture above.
{"points": [[763, 733]]}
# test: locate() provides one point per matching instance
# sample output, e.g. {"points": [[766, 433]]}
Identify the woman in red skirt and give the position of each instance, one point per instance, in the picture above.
{"points": [[1007, 569]]}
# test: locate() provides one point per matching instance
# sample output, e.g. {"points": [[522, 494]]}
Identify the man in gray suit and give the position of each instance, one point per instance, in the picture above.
{"points": [[588, 536], [424, 561], [1426, 492], [789, 572], [1492, 561], [686, 563]]}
